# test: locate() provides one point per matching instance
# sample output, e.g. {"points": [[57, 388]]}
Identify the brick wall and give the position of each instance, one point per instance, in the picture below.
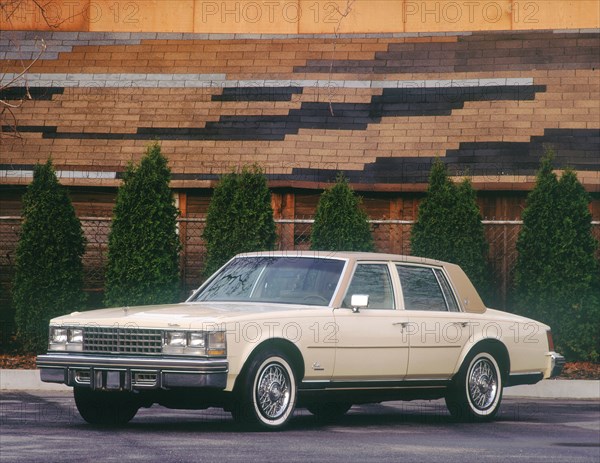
{"points": [[379, 107]]}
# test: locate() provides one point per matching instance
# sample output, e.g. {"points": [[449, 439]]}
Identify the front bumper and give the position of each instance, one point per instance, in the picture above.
{"points": [[126, 373]]}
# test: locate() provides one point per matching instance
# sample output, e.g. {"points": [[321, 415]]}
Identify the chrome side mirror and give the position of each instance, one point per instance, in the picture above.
{"points": [[359, 301]]}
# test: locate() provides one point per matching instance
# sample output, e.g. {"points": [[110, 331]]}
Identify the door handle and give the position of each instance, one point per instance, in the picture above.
{"points": [[462, 324]]}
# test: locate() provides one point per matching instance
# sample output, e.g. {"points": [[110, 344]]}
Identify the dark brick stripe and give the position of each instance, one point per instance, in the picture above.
{"points": [[335, 116], [475, 53], [37, 93], [47, 130], [575, 148], [257, 94]]}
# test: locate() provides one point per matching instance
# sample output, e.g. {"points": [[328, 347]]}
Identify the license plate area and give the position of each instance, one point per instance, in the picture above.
{"points": [[117, 379], [114, 380], [111, 380]]}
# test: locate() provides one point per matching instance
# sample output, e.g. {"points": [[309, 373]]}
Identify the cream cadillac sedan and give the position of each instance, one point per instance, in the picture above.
{"points": [[270, 332]]}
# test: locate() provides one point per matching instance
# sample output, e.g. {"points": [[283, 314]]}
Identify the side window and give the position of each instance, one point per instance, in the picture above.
{"points": [[421, 289], [447, 290], [374, 280]]}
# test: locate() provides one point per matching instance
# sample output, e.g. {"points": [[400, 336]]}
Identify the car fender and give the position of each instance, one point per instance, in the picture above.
{"points": [[492, 345]]}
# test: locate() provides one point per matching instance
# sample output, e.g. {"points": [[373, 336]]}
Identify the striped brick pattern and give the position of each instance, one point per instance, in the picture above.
{"points": [[379, 107]]}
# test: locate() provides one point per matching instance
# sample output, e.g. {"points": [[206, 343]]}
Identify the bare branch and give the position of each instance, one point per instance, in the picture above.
{"points": [[26, 67], [343, 15], [14, 133], [47, 20], [9, 8], [4, 86]]}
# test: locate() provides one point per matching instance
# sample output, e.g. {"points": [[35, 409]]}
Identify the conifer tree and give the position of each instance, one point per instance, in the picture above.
{"points": [[578, 333], [239, 219], [449, 227], [48, 279], [534, 271], [143, 245], [557, 274], [340, 222]]}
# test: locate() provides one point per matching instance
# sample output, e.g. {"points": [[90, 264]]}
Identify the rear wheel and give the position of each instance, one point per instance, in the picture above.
{"points": [[477, 390], [266, 396], [105, 408]]}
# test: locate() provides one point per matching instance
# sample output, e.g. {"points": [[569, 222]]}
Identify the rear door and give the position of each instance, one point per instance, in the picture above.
{"points": [[437, 329]]}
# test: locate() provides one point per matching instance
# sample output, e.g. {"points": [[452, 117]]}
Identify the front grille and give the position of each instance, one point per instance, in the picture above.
{"points": [[122, 340]]}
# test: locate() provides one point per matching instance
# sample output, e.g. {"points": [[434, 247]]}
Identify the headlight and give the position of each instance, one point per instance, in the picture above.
{"points": [[65, 338], [197, 339], [75, 335], [58, 335], [194, 343], [176, 339]]}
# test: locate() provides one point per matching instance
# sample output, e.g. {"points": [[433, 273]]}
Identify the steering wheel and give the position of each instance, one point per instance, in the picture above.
{"points": [[315, 298]]}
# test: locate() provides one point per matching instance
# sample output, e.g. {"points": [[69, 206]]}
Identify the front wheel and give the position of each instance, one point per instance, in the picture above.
{"points": [[266, 396], [477, 391], [105, 408]]}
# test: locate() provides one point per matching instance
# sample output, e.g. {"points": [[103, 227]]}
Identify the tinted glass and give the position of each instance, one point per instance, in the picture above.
{"points": [[373, 280], [447, 290], [421, 289], [293, 280]]}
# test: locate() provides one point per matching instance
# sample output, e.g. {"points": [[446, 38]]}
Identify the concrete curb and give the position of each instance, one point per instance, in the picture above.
{"points": [[29, 380], [26, 380], [557, 389]]}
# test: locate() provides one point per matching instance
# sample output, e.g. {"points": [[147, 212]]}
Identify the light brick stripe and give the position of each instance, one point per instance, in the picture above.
{"points": [[74, 174], [220, 81]]}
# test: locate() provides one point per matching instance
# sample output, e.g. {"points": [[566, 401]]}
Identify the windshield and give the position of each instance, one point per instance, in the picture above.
{"points": [[291, 280]]}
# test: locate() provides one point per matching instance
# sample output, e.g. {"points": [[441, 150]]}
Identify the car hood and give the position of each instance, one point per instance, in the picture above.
{"points": [[184, 315]]}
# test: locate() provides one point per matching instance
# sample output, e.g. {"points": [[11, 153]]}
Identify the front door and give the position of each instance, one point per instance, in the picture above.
{"points": [[371, 343]]}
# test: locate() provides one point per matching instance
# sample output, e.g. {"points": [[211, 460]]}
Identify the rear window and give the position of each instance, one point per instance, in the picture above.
{"points": [[425, 288]]}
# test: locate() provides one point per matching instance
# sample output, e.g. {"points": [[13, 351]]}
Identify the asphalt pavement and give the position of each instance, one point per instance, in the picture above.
{"points": [[29, 380], [45, 426]]}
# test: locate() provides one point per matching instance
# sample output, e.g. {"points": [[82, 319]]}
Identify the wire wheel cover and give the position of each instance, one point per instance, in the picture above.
{"points": [[273, 391], [483, 384]]}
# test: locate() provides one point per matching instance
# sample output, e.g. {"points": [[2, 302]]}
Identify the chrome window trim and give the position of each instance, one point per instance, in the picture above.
{"points": [[437, 278]]}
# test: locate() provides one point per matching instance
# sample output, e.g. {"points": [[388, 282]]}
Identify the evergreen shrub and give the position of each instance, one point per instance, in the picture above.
{"points": [[48, 279], [557, 275], [143, 244], [239, 219], [449, 227], [340, 222]]}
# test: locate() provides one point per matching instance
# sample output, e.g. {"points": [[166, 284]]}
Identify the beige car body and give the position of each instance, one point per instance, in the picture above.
{"points": [[345, 348]]}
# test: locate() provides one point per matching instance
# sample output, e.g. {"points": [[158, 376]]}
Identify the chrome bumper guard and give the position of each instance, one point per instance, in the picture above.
{"points": [[557, 363], [129, 373]]}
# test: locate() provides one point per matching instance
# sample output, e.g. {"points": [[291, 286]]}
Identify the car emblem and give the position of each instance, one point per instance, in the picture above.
{"points": [[317, 367]]}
